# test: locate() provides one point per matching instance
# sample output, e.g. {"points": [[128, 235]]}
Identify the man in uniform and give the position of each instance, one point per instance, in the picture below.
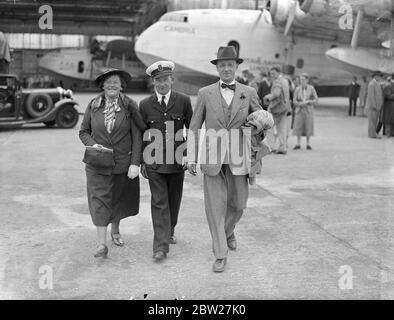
{"points": [[224, 107], [166, 113]]}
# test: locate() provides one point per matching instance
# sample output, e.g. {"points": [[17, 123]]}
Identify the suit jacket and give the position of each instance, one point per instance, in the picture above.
{"points": [[353, 90], [374, 96], [125, 138], [168, 122], [209, 109]]}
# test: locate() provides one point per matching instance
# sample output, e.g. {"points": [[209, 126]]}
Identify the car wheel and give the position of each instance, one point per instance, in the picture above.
{"points": [[38, 104], [50, 123], [67, 117]]}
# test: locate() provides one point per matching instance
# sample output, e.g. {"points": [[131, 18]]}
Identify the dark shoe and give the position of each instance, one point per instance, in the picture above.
{"points": [[159, 255], [219, 265], [117, 239], [309, 147], [232, 243], [172, 238], [102, 251], [281, 152], [297, 147]]}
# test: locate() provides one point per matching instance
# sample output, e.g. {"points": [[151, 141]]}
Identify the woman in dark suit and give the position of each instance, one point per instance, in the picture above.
{"points": [[112, 121]]}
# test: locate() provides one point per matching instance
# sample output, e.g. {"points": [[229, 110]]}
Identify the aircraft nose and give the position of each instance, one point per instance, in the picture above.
{"points": [[144, 46]]}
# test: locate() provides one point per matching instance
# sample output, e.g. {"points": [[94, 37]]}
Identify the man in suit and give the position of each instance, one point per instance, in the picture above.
{"points": [[224, 107], [279, 105], [353, 92], [374, 103], [166, 113]]}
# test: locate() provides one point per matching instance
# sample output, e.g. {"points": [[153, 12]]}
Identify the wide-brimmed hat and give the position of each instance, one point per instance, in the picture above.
{"points": [[110, 72], [227, 53], [377, 73]]}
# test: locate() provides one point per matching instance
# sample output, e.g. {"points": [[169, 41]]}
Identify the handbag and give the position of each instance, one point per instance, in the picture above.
{"points": [[99, 157]]}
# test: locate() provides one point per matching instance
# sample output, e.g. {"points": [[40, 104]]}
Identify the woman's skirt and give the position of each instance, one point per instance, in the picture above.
{"points": [[303, 123], [112, 197]]}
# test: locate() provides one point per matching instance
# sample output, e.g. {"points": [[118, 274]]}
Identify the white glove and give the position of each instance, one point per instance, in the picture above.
{"points": [[133, 172]]}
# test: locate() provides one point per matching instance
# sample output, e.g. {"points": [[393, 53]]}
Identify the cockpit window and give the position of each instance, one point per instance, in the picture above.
{"points": [[176, 17]]}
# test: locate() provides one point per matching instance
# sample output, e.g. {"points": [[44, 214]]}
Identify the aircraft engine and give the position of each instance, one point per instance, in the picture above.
{"points": [[280, 10], [314, 7]]}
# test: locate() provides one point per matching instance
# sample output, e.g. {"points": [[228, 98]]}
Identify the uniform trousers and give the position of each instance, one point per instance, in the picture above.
{"points": [[166, 190], [225, 197]]}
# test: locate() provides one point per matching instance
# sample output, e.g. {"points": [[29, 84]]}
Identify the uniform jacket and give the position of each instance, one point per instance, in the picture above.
{"points": [[170, 121], [374, 96], [209, 109], [125, 138]]}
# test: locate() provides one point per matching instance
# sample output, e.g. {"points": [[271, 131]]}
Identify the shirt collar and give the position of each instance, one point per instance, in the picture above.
{"points": [[167, 96]]}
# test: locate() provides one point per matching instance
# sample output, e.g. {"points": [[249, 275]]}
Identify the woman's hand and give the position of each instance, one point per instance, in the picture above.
{"points": [[133, 172]]}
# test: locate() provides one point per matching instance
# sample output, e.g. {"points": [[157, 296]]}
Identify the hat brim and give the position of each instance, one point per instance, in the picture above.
{"points": [[123, 74], [238, 60], [161, 74]]}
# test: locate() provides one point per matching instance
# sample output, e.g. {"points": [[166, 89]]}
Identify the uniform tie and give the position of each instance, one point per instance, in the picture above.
{"points": [[163, 103]]}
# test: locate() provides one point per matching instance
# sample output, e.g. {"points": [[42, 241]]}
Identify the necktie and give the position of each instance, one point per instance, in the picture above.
{"points": [[229, 86], [163, 103]]}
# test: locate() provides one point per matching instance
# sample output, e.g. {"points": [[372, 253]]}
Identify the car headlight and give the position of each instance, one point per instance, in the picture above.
{"points": [[68, 93]]}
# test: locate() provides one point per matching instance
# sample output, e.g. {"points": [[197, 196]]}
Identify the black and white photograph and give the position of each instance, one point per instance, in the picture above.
{"points": [[212, 150]]}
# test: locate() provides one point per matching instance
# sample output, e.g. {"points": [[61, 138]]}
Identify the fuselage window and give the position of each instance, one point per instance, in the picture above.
{"points": [[81, 66], [277, 55], [333, 46], [235, 44], [300, 63]]}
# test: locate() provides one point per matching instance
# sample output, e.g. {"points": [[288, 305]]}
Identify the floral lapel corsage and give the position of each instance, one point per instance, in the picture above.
{"points": [[242, 96]]}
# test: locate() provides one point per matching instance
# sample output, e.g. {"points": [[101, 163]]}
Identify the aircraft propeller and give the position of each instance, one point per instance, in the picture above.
{"points": [[291, 17]]}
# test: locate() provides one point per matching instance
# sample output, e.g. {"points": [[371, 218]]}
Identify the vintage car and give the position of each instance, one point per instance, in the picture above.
{"points": [[53, 106]]}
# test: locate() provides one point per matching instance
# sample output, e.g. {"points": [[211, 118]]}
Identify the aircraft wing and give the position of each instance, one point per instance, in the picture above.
{"points": [[334, 19]]}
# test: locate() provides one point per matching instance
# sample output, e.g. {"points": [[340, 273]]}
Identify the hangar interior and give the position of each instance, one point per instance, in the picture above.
{"points": [[75, 24]]}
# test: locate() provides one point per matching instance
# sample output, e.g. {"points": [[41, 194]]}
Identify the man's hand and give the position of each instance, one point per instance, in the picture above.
{"points": [[133, 172], [143, 171], [192, 168]]}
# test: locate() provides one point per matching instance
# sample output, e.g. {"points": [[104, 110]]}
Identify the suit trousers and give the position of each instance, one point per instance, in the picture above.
{"points": [[373, 116], [166, 190], [281, 124], [352, 106], [225, 197]]}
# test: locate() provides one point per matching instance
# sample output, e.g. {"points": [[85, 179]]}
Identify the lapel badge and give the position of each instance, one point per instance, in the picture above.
{"points": [[242, 96], [160, 67]]}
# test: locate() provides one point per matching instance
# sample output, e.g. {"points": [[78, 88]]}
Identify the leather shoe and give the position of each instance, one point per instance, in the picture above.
{"points": [[172, 238], [219, 265], [232, 244], [159, 255]]}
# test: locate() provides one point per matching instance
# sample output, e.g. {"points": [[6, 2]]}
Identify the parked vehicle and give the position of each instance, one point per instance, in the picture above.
{"points": [[52, 106]]}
